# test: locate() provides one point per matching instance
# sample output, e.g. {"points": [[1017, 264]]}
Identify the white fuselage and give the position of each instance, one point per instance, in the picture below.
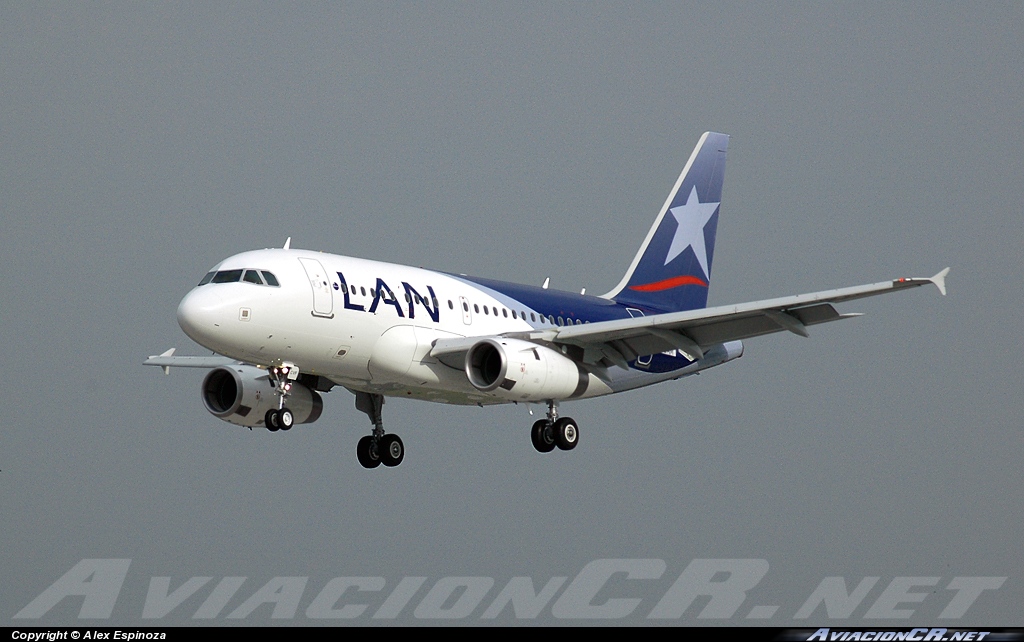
{"points": [[367, 325]]}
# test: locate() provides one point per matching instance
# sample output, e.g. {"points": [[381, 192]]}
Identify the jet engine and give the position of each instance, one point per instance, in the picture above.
{"points": [[518, 370], [242, 395]]}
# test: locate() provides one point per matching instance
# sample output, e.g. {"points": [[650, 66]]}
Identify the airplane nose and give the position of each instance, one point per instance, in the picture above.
{"points": [[199, 315]]}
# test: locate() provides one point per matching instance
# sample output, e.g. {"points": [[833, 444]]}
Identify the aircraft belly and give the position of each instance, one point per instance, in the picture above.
{"points": [[633, 379], [392, 354], [401, 357]]}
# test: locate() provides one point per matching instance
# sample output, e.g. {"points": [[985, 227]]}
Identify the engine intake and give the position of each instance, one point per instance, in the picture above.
{"points": [[522, 371]]}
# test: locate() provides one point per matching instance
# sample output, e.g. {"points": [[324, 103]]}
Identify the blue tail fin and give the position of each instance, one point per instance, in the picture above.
{"points": [[672, 270]]}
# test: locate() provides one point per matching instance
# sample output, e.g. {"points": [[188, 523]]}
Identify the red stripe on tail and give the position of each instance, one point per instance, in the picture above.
{"points": [[668, 284]]}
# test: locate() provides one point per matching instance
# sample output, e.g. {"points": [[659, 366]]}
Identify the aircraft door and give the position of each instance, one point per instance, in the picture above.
{"points": [[642, 360], [467, 316], [323, 299]]}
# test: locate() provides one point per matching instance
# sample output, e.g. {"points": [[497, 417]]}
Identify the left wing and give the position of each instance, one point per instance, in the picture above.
{"points": [[167, 360], [691, 332]]}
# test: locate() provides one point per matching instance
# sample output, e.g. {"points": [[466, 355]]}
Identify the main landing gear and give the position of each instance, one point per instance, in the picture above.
{"points": [[281, 418], [554, 431], [377, 448]]}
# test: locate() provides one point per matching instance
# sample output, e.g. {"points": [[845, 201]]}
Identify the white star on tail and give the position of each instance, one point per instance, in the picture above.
{"points": [[691, 217]]}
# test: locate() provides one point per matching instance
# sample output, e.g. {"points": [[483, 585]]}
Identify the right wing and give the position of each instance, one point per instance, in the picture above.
{"points": [[691, 332]]}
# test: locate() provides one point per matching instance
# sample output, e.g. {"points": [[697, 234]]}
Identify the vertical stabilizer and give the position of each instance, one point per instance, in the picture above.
{"points": [[672, 270]]}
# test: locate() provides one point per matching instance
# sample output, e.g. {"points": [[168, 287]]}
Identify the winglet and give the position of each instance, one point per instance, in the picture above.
{"points": [[940, 281], [169, 353]]}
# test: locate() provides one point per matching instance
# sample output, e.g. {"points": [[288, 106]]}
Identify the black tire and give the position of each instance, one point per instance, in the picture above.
{"points": [[368, 452], [542, 437], [392, 450], [285, 419], [271, 420], [567, 433]]}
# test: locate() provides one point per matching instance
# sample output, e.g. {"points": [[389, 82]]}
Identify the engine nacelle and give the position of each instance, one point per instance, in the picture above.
{"points": [[522, 371], [243, 394]]}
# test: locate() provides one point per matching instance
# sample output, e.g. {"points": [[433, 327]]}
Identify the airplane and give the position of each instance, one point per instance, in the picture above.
{"points": [[287, 325]]}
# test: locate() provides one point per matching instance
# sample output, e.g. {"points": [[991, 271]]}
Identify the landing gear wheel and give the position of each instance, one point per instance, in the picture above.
{"points": [[392, 450], [271, 420], [542, 436], [368, 452], [285, 419], [567, 433]]}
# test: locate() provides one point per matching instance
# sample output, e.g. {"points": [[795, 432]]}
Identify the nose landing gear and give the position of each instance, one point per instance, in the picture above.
{"points": [[281, 418]]}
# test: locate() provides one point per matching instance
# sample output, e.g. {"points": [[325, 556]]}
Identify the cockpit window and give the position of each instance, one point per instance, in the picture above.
{"points": [[234, 276], [228, 276], [271, 279], [252, 276]]}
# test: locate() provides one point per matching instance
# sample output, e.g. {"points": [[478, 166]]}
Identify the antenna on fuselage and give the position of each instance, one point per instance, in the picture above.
{"points": [[288, 243], [547, 281]]}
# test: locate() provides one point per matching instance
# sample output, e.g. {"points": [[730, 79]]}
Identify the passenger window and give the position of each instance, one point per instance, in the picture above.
{"points": [[451, 306], [485, 310], [228, 276], [476, 308], [533, 317], [363, 290], [270, 279], [465, 306], [207, 278], [504, 313], [514, 314], [252, 276]]}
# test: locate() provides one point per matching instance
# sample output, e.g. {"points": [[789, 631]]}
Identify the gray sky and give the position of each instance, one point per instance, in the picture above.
{"points": [[141, 144]]}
